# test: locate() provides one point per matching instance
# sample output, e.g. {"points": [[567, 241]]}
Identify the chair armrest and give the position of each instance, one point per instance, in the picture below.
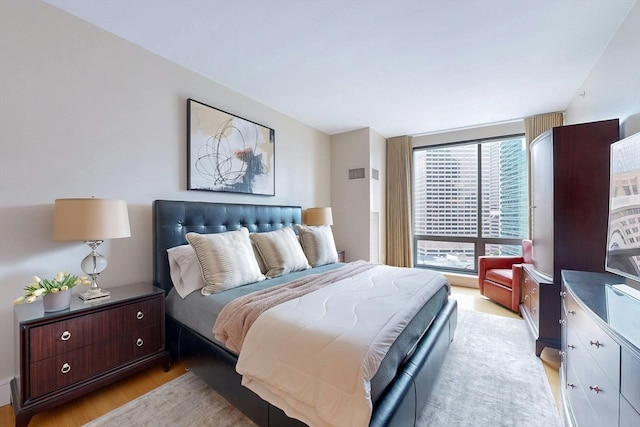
{"points": [[491, 262]]}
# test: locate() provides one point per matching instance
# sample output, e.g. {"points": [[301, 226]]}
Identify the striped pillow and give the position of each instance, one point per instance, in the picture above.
{"points": [[318, 244], [280, 251], [226, 259]]}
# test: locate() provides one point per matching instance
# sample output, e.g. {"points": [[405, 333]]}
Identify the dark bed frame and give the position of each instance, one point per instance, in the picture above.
{"points": [[401, 402]]}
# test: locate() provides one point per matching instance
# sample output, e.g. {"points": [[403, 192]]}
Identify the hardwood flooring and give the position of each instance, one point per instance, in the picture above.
{"points": [[99, 402]]}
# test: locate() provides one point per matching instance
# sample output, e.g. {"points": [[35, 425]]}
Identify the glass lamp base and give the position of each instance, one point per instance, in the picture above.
{"points": [[94, 295]]}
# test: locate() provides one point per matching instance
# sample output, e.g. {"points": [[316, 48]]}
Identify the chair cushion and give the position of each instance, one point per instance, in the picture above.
{"points": [[503, 276]]}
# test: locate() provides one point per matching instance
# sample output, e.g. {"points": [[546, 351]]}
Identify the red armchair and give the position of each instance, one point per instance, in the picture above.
{"points": [[499, 276]]}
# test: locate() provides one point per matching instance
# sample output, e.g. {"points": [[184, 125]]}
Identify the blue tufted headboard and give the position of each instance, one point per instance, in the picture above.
{"points": [[173, 219]]}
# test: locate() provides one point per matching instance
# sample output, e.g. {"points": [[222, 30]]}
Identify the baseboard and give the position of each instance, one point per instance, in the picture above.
{"points": [[5, 391], [464, 280]]}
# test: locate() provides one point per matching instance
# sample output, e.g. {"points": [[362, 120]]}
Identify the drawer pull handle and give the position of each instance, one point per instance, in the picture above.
{"points": [[65, 336], [563, 294], [571, 312], [139, 343], [534, 290], [562, 321], [65, 368], [140, 315], [595, 389], [526, 297], [562, 353], [597, 343], [571, 385], [534, 310], [571, 346], [526, 280]]}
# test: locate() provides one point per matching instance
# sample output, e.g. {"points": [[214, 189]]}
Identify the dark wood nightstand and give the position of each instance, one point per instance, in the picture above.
{"points": [[64, 355], [341, 256]]}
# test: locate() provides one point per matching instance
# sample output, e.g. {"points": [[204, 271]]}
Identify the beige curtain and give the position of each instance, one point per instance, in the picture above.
{"points": [[536, 125], [399, 201]]}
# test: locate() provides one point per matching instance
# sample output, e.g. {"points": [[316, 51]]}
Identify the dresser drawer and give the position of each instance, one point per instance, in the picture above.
{"points": [[581, 410], [531, 297], [630, 379], [629, 417], [600, 346]]}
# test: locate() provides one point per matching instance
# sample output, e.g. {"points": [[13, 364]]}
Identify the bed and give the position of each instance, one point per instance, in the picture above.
{"points": [[399, 389]]}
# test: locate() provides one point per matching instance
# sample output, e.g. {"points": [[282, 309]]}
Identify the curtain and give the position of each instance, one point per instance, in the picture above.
{"points": [[399, 201], [536, 125]]}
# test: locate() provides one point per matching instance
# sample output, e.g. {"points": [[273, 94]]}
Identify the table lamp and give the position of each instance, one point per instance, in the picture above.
{"points": [[91, 221], [319, 216]]}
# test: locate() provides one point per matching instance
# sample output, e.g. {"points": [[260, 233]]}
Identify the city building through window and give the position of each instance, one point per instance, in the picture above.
{"points": [[469, 199]]}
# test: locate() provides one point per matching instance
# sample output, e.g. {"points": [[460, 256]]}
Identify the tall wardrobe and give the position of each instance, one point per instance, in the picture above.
{"points": [[569, 209]]}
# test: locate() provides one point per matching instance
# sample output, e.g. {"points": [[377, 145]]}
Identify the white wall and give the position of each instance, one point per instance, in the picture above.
{"points": [[378, 201], [85, 113], [612, 88], [350, 198]]}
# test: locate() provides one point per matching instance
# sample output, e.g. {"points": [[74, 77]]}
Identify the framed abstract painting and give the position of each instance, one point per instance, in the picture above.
{"points": [[228, 153]]}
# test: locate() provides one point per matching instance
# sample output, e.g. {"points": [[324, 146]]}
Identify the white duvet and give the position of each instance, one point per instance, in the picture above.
{"points": [[314, 356]]}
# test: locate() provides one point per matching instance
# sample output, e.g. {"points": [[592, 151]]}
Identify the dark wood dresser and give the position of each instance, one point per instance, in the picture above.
{"points": [[63, 355], [600, 368], [569, 214]]}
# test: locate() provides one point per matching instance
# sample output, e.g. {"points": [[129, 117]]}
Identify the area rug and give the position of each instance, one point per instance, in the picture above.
{"points": [[490, 377]]}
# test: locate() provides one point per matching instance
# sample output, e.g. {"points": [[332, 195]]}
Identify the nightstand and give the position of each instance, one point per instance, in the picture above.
{"points": [[64, 355]]}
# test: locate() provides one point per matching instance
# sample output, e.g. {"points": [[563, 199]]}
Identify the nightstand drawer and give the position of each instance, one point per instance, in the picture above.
{"points": [[68, 368], [59, 337]]}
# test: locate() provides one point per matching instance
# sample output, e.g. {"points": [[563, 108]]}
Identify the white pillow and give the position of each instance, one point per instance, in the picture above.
{"points": [[184, 269], [318, 244], [226, 259], [280, 251]]}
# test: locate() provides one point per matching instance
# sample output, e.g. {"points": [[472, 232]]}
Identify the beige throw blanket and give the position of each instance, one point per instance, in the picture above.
{"points": [[314, 356], [236, 318]]}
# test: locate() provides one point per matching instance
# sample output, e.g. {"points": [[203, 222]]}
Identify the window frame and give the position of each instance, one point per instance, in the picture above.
{"points": [[479, 241]]}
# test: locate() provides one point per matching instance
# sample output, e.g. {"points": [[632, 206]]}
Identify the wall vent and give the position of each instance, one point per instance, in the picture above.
{"points": [[375, 174], [356, 173]]}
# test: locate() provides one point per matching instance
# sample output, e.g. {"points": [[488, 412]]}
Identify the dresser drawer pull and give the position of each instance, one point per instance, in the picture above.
{"points": [[140, 315], [563, 294], [571, 312], [526, 297], [562, 321], [65, 368], [595, 389], [526, 280], [571, 346], [534, 290], [65, 336], [139, 342], [597, 343], [571, 385], [562, 353]]}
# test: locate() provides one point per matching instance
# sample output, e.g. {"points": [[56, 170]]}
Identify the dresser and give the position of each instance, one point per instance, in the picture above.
{"points": [[64, 355], [569, 213], [600, 368]]}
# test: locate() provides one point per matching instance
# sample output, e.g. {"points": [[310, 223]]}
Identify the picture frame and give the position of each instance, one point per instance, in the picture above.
{"points": [[228, 153]]}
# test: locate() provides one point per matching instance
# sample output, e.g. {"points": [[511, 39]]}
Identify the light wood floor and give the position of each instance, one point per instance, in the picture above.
{"points": [[98, 403]]}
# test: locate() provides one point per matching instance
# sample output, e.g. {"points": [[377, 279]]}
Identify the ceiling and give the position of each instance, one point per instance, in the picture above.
{"points": [[397, 66]]}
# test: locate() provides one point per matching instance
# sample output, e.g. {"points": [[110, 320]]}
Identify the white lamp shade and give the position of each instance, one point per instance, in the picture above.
{"points": [[90, 219], [319, 216]]}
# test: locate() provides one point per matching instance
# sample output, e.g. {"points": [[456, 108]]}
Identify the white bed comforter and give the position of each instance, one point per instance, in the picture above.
{"points": [[314, 356]]}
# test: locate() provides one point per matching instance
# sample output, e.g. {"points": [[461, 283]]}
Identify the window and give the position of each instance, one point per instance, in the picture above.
{"points": [[470, 199]]}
